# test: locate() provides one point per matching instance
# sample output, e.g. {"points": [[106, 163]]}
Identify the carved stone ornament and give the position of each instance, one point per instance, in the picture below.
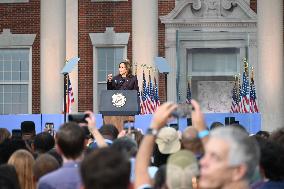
{"points": [[118, 100], [213, 8]]}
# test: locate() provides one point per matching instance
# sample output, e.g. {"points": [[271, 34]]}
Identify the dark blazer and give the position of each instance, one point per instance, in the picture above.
{"points": [[123, 83]]}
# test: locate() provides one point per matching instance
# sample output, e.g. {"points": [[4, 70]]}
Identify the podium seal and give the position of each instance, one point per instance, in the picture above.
{"points": [[118, 100]]}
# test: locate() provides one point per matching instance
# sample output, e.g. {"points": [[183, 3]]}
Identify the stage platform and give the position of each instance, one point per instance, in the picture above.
{"points": [[252, 122]]}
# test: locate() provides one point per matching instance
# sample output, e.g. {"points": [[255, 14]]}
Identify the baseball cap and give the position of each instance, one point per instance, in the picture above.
{"points": [[182, 167], [168, 140]]}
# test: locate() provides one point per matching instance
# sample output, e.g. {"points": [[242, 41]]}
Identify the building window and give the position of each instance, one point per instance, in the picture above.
{"points": [[14, 81], [108, 61], [213, 61], [109, 48]]}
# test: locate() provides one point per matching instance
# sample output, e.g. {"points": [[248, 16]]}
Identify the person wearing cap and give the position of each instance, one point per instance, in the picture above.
{"points": [[28, 130], [166, 143], [182, 170], [28, 133], [168, 140], [159, 120]]}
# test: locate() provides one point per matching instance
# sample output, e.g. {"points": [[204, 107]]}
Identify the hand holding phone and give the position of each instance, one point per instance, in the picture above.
{"points": [[49, 127], [16, 134], [109, 77], [78, 118], [182, 110]]}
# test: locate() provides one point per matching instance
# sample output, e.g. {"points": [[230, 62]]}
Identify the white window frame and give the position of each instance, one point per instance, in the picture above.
{"points": [[18, 41], [109, 39]]}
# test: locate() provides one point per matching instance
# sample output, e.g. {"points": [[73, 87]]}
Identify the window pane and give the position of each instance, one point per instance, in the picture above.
{"points": [[24, 108], [1, 108], [24, 76], [24, 97], [7, 108], [1, 76], [16, 76], [16, 88], [24, 66], [7, 88], [24, 88], [7, 98], [101, 59], [214, 60], [110, 57], [16, 97], [7, 76], [1, 65], [118, 58], [1, 98], [101, 87], [16, 66], [16, 109], [7, 66]]}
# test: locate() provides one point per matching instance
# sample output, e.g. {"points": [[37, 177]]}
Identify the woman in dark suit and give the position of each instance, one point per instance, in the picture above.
{"points": [[124, 80]]}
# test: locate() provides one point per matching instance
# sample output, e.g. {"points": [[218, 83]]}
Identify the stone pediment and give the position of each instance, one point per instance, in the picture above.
{"points": [[188, 11]]}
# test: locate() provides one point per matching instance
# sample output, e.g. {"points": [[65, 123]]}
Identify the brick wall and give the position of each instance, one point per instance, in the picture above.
{"points": [[253, 4], [164, 8], [24, 18], [95, 17]]}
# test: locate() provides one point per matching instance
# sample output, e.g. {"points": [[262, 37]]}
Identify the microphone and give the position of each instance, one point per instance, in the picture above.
{"points": [[121, 81]]}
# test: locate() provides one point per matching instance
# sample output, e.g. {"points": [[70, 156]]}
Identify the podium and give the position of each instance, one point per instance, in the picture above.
{"points": [[118, 106]]}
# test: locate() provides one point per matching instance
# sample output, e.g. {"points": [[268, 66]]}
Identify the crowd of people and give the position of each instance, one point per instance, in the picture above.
{"points": [[83, 156]]}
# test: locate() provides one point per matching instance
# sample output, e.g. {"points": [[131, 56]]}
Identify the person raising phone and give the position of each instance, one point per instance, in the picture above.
{"points": [[124, 80]]}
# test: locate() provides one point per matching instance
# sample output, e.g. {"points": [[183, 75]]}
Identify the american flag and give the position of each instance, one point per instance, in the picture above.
{"points": [[70, 97], [150, 96], [252, 94], [143, 96], [188, 94], [245, 91], [156, 94], [235, 97], [239, 97]]}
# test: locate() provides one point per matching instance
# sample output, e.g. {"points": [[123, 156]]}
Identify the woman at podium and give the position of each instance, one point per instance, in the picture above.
{"points": [[124, 80]]}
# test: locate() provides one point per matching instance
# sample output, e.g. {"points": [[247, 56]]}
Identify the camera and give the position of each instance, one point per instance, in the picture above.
{"points": [[174, 125], [78, 118], [128, 125], [183, 110]]}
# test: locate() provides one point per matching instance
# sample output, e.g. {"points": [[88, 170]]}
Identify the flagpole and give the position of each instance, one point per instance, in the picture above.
{"points": [[65, 88], [65, 93]]}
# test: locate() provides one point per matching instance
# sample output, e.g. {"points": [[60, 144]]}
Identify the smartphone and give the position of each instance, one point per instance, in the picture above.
{"points": [[128, 125], [78, 118], [182, 110], [174, 125], [16, 134], [49, 127]]}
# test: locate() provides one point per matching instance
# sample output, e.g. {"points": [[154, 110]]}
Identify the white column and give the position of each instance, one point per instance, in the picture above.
{"points": [[52, 54], [270, 60], [144, 33], [171, 82], [72, 45]]}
